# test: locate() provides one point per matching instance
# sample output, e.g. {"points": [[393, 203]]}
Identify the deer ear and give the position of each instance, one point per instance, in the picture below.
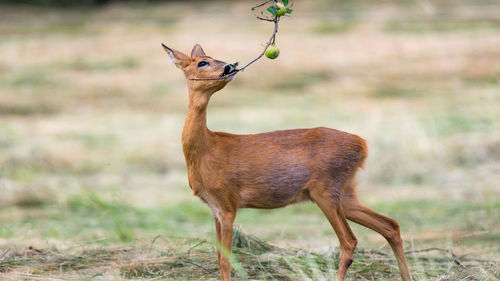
{"points": [[179, 58], [197, 51]]}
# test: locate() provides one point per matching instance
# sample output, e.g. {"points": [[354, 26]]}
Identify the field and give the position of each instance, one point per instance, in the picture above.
{"points": [[92, 177]]}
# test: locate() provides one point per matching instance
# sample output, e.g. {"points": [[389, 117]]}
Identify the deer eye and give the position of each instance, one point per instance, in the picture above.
{"points": [[202, 63]]}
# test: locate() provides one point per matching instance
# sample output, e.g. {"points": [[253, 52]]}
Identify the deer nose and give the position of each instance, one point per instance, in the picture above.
{"points": [[228, 69]]}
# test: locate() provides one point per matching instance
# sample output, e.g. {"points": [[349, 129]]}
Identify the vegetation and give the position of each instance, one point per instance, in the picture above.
{"points": [[92, 177], [170, 258]]}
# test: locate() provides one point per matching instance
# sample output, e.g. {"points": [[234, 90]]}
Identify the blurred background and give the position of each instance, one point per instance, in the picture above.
{"points": [[91, 113]]}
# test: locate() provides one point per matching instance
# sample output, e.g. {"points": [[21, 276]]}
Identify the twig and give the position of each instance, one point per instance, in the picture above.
{"points": [[271, 40], [266, 19], [197, 265], [262, 4], [448, 251], [373, 252], [4, 253]]}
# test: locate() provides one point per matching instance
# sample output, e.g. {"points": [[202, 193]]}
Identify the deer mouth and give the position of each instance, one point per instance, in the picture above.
{"points": [[229, 71]]}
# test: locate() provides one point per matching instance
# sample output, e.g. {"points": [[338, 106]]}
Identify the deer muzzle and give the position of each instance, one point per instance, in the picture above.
{"points": [[228, 69]]}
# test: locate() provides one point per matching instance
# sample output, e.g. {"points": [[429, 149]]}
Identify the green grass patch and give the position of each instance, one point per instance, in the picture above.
{"points": [[116, 215], [117, 221], [82, 64], [161, 89], [454, 121], [300, 80], [441, 24], [483, 79], [34, 30], [391, 91], [28, 109], [32, 78], [441, 216], [94, 141], [330, 27], [38, 164]]}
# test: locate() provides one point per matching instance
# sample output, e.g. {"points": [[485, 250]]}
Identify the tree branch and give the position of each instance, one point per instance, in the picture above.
{"points": [[271, 40]]}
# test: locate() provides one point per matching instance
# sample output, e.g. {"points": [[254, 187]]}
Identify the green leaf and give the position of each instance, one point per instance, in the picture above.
{"points": [[285, 2], [272, 10], [288, 11], [253, 9]]}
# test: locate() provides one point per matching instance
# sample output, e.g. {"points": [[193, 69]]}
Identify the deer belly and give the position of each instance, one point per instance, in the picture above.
{"points": [[274, 186]]}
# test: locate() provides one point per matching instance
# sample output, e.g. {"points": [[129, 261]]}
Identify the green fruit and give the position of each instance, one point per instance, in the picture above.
{"points": [[280, 9], [272, 52]]}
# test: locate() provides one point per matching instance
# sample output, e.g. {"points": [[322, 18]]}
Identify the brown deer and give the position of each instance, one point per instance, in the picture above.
{"points": [[272, 170]]}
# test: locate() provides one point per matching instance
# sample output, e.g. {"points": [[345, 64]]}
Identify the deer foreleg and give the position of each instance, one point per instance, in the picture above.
{"points": [[226, 241], [217, 233]]}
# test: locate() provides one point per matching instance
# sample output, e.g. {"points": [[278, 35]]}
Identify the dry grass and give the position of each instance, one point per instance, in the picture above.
{"points": [[192, 259]]}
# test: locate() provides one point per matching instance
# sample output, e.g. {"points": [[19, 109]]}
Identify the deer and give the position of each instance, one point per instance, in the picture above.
{"points": [[274, 169]]}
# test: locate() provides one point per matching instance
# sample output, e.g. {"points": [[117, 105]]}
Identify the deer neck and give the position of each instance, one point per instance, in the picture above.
{"points": [[195, 131]]}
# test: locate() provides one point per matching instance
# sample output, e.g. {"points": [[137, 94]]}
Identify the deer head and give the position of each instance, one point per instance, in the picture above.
{"points": [[204, 74]]}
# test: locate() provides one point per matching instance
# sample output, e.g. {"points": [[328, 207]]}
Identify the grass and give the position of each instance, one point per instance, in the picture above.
{"points": [[442, 25], [300, 81], [92, 174], [328, 27], [171, 258], [32, 79], [81, 64], [91, 217], [95, 214]]}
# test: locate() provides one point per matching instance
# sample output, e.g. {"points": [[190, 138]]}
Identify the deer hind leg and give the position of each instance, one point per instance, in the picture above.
{"points": [[332, 208], [387, 227]]}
